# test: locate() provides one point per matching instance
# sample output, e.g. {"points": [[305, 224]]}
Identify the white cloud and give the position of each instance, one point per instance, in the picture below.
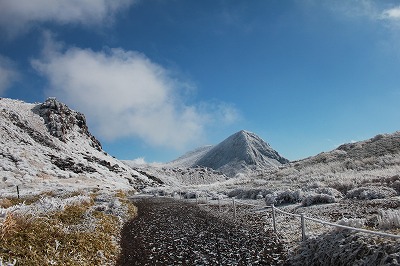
{"points": [[18, 16], [391, 14], [8, 73], [371, 9], [125, 94]]}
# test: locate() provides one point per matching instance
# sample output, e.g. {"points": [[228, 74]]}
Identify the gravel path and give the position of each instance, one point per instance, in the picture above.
{"points": [[173, 232]]}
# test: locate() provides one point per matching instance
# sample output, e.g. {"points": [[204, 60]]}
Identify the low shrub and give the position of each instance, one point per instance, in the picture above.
{"points": [[352, 222], [284, 197], [329, 191], [313, 198], [372, 192], [342, 186], [252, 193], [189, 195], [235, 192]]}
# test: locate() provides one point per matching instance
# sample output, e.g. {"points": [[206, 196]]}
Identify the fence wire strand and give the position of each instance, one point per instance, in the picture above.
{"points": [[264, 208]]}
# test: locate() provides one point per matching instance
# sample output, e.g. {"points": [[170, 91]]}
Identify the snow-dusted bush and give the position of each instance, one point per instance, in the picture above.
{"points": [[393, 182], [329, 191], [352, 222], [252, 193], [343, 185], [284, 196], [396, 186], [235, 192], [8, 263], [314, 198], [345, 248], [372, 192], [189, 195], [47, 205], [389, 219]]}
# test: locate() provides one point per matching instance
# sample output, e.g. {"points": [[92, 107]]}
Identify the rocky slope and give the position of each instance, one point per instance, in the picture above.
{"points": [[241, 152], [378, 152], [48, 146]]}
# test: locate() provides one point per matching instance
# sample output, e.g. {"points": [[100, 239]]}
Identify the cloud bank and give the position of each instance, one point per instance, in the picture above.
{"points": [[125, 94], [8, 73], [18, 16]]}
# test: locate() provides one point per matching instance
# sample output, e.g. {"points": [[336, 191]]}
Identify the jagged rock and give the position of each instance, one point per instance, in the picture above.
{"points": [[60, 120]]}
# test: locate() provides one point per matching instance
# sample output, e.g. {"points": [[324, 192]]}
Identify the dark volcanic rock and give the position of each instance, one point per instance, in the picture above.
{"points": [[60, 120]]}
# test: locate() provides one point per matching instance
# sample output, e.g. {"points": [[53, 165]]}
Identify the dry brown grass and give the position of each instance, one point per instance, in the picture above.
{"points": [[78, 235]]}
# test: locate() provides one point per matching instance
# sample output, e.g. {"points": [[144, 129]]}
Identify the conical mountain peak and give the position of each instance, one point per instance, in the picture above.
{"points": [[240, 151]]}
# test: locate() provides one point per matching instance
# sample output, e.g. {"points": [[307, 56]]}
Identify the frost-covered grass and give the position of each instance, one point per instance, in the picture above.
{"points": [[389, 219], [64, 230]]}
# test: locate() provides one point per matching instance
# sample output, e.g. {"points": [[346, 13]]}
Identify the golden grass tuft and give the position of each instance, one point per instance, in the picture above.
{"points": [[50, 240], [123, 197]]}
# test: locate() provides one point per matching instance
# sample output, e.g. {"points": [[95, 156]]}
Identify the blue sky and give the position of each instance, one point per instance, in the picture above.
{"points": [[157, 78]]}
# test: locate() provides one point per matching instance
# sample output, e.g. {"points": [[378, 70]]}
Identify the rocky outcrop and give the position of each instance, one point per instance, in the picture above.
{"points": [[60, 120]]}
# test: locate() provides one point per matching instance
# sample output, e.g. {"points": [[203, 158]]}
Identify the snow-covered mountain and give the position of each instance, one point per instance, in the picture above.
{"points": [[48, 146], [241, 152], [191, 158]]}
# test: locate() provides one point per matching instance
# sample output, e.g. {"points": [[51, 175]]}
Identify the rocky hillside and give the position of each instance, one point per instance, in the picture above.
{"points": [[378, 152], [243, 151], [48, 146]]}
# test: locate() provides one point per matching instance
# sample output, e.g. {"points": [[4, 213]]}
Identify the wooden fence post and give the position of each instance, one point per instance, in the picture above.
{"points": [[234, 208], [18, 192], [219, 205], [303, 227], [273, 217]]}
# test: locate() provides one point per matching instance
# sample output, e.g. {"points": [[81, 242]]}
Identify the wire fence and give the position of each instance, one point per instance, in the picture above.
{"points": [[274, 210]]}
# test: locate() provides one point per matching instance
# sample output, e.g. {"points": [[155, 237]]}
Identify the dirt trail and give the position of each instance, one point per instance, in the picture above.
{"points": [[173, 232]]}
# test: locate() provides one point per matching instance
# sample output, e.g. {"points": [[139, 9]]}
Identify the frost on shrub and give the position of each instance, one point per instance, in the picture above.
{"points": [[47, 205], [7, 263], [352, 222], [252, 193], [283, 197], [235, 192], [389, 219], [329, 191], [373, 192], [345, 248], [189, 195], [313, 198], [342, 185]]}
